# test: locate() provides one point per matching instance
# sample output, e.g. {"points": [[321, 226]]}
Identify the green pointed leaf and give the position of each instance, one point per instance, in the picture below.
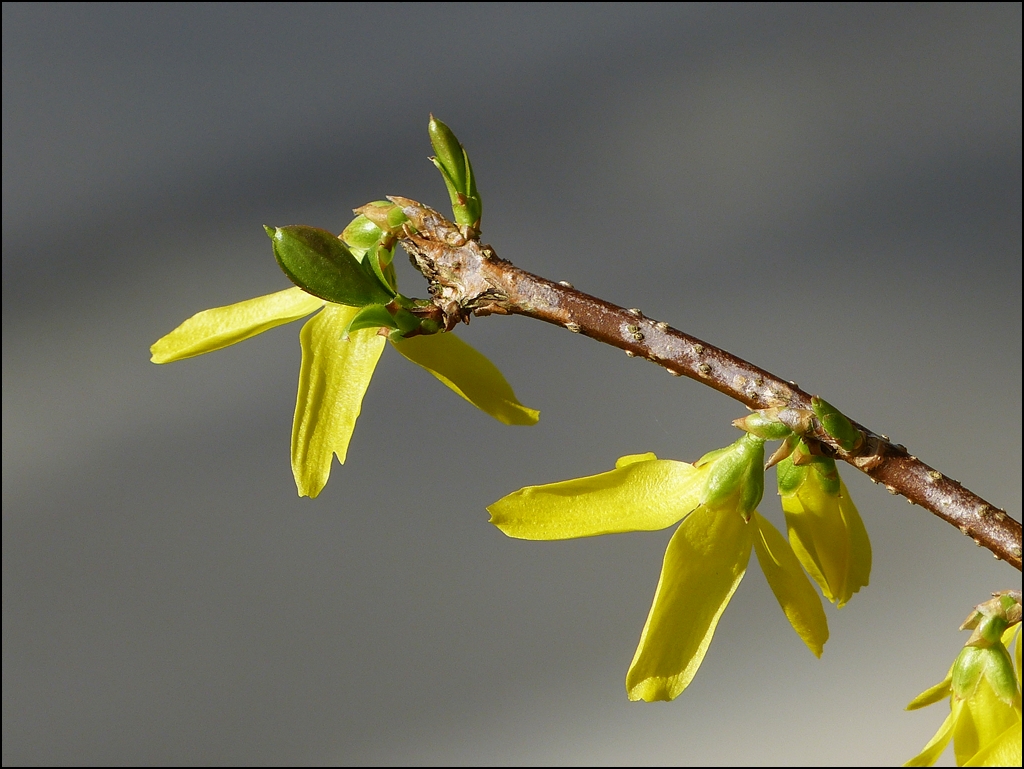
{"points": [[469, 374], [794, 592], [332, 381], [320, 264], [643, 494]]}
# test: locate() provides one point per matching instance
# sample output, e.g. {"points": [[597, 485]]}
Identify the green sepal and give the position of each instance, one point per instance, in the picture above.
{"points": [[320, 264], [407, 323], [790, 476], [836, 424], [736, 478], [967, 671], [361, 234], [379, 260], [456, 170], [370, 316]]}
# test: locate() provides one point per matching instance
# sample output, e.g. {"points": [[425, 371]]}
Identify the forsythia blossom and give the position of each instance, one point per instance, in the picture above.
{"points": [[984, 720], [342, 343], [706, 557], [825, 529]]}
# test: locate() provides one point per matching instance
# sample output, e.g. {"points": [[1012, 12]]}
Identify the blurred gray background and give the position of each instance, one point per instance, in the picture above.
{"points": [[833, 192]]}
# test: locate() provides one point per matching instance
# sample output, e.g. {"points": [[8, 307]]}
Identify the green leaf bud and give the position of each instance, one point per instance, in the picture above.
{"points": [[388, 217], [452, 161], [320, 264], [836, 424], [361, 234], [764, 424]]}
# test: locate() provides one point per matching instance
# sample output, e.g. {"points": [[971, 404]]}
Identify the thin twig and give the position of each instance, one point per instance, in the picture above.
{"points": [[467, 278]]}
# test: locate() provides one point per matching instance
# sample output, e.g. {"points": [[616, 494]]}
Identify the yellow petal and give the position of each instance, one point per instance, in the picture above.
{"points": [[468, 373], [704, 563], [214, 329], [632, 458], [638, 496], [938, 743], [1004, 750], [829, 538], [794, 592], [983, 718], [930, 696], [858, 565], [332, 381]]}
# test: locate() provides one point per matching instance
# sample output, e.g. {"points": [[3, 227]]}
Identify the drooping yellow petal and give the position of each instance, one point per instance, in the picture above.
{"points": [[829, 538], [794, 592], [983, 718], [468, 373], [1004, 750], [220, 327], [932, 695], [931, 752], [641, 495], [704, 563], [332, 381], [858, 565]]}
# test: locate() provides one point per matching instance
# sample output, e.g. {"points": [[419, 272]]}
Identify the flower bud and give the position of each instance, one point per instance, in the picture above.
{"points": [[836, 424]]}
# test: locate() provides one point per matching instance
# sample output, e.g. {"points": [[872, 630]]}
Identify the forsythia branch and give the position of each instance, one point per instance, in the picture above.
{"points": [[467, 278]]}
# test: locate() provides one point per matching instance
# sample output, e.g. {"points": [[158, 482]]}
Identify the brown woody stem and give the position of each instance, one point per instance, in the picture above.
{"points": [[467, 278]]}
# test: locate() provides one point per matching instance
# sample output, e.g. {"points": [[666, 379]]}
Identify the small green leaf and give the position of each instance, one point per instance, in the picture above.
{"points": [[320, 264], [370, 316]]}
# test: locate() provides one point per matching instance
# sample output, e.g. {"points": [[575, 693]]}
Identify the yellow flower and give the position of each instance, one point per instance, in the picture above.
{"points": [[337, 367], [706, 557], [825, 529], [984, 720]]}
